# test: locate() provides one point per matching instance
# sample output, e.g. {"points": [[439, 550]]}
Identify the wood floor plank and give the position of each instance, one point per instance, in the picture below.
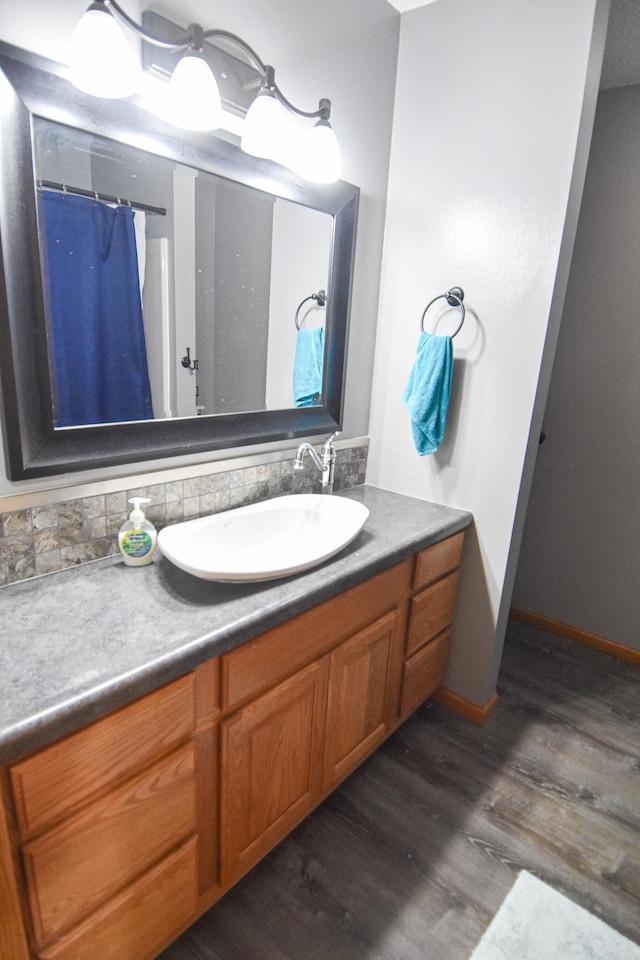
{"points": [[579, 769], [515, 825], [596, 687], [412, 856]]}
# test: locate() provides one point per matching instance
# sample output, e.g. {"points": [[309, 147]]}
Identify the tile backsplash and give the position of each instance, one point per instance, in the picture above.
{"points": [[42, 539]]}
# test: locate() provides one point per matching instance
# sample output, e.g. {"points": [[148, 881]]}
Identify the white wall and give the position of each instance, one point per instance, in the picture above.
{"points": [[489, 102], [299, 267], [344, 51], [581, 546]]}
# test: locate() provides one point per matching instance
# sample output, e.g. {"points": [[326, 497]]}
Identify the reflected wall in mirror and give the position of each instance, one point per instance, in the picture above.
{"points": [[221, 253], [220, 267]]}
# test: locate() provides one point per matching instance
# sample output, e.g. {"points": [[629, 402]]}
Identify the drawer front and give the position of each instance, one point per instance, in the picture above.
{"points": [[432, 612], [79, 864], [140, 921], [423, 673], [63, 776], [266, 661], [437, 560]]}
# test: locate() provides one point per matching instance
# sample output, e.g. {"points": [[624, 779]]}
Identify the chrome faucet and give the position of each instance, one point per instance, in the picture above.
{"points": [[325, 461]]}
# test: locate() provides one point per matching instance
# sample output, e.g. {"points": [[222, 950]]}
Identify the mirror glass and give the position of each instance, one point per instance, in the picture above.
{"points": [[221, 269], [223, 318]]}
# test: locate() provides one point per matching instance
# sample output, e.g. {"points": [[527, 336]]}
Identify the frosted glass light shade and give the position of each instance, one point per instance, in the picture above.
{"points": [[318, 154], [193, 100], [265, 129], [101, 61]]}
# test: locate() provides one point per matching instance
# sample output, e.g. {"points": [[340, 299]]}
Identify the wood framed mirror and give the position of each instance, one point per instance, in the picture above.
{"points": [[39, 111]]}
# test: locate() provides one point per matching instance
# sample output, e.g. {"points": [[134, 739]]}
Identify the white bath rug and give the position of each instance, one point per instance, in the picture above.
{"points": [[536, 922]]}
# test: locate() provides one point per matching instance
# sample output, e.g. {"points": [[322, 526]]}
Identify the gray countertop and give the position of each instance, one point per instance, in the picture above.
{"points": [[78, 644]]}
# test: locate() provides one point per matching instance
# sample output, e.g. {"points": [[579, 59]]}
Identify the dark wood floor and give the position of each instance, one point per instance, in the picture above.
{"points": [[413, 855]]}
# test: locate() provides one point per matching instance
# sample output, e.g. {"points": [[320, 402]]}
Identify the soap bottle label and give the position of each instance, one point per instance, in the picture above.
{"points": [[136, 543]]}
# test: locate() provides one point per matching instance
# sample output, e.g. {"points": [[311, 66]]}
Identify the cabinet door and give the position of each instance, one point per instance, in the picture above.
{"points": [[271, 767], [363, 684]]}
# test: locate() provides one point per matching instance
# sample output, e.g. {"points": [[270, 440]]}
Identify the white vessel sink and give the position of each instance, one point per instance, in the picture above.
{"points": [[264, 541]]}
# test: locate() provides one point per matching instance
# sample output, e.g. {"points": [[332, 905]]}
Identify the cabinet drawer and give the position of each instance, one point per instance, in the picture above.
{"points": [[63, 776], [432, 612], [140, 921], [437, 560], [79, 864], [423, 673], [261, 664]]}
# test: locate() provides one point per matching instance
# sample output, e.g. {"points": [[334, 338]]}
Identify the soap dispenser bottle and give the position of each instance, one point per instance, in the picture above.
{"points": [[137, 536]]}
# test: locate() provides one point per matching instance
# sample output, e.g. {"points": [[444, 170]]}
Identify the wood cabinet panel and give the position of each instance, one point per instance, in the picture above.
{"points": [[431, 612], [437, 560], [139, 922], [272, 763], [63, 776], [206, 742], [423, 673], [13, 940], [79, 864], [262, 663], [358, 712], [207, 682]]}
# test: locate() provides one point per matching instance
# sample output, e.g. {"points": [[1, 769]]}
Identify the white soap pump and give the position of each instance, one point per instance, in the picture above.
{"points": [[137, 536]]}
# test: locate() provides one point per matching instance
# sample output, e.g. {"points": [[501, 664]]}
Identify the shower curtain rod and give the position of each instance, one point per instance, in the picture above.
{"points": [[102, 197]]}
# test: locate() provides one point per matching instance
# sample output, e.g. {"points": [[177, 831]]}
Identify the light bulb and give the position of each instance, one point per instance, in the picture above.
{"points": [[318, 154], [263, 127], [101, 61], [193, 98]]}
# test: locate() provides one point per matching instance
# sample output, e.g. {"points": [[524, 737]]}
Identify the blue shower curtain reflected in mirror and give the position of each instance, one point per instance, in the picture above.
{"points": [[101, 373]]}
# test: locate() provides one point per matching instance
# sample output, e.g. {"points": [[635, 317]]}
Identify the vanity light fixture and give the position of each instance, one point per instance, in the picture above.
{"points": [[103, 64]]}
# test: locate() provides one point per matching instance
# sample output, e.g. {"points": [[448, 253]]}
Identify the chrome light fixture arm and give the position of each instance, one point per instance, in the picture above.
{"points": [[324, 106], [146, 35], [194, 39], [194, 100]]}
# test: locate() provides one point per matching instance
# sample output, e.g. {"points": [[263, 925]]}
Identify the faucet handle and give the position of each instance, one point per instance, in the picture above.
{"points": [[327, 446]]}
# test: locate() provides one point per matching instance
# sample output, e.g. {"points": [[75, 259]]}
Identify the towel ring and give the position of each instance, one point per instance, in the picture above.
{"points": [[320, 297], [454, 298]]}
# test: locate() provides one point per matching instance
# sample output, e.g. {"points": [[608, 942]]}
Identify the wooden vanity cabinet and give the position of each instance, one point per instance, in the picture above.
{"points": [[117, 838], [116, 826]]}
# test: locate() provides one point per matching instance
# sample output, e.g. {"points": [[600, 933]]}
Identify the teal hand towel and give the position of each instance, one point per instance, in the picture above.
{"points": [[307, 368], [427, 393]]}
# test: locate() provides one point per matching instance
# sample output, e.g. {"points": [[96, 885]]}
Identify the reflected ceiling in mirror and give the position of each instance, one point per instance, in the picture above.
{"points": [[243, 386]]}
